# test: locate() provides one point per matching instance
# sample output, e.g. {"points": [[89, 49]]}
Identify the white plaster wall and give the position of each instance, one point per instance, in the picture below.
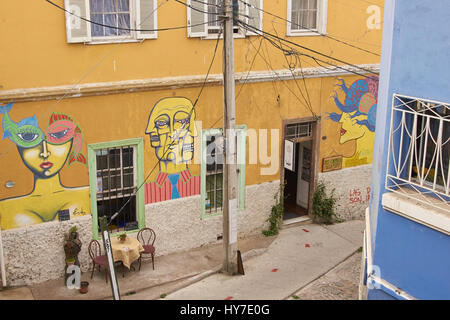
{"points": [[179, 226], [35, 254], [352, 189]]}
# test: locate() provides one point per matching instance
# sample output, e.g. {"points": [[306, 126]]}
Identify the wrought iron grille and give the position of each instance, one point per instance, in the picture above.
{"points": [[214, 173], [419, 150], [298, 130], [116, 183]]}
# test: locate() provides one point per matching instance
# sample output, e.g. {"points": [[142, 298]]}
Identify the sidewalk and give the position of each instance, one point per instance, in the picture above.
{"points": [[275, 268], [295, 259]]}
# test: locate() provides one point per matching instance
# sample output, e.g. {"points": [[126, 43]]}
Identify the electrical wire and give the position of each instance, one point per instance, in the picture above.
{"points": [[132, 29], [268, 36], [327, 36], [179, 131], [308, 101]]}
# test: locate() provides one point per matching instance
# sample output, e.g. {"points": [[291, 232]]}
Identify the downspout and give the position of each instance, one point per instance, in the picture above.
{"points": [[2, 260]]}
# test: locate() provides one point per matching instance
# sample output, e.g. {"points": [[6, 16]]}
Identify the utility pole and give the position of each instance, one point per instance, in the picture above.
{"points": [[230, 147]]}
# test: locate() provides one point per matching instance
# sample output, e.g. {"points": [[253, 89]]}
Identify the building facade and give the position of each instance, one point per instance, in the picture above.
{"points": [[408, 221], [116, 106]]}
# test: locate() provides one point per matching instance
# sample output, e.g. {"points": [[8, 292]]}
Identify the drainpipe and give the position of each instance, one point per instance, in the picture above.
{"points": [[2, 260]]}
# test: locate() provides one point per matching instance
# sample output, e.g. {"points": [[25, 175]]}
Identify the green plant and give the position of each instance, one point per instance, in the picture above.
{"points": [[123, 236], [163, 296], [73, 229], [276, 214], [323, 206], [295, 297], [70, 260]]}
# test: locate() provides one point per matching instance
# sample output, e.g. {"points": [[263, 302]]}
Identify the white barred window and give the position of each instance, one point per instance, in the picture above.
{"points": [[419, 150]]}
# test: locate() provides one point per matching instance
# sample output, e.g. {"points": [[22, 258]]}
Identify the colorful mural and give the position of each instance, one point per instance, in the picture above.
{"points": [[171, 127], [44, 153], [358, 118]]}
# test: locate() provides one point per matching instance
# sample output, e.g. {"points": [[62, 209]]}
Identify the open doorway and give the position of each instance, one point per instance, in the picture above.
{"points": [[298, 171]]}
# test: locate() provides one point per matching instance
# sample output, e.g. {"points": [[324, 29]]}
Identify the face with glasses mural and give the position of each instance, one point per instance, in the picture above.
{"points": [[44, 153], [171, 128]]}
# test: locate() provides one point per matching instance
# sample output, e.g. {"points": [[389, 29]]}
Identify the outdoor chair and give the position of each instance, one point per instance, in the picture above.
{"points": [[95, 251], [147, 237]]}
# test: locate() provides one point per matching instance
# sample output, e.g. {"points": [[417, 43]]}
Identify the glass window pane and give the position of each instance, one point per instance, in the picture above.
{"points": [[127, 157], [123, 5], [96, 30], [128, 180], [110, 6], [96, 6], [303, 5], [110, 20], [124, 22]]}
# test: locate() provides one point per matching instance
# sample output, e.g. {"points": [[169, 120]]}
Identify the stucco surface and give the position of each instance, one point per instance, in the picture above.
{"points": [[352, 190], [35, 254]]}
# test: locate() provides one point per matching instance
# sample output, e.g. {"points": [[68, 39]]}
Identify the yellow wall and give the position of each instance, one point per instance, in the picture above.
{"points": [[35, 53]]}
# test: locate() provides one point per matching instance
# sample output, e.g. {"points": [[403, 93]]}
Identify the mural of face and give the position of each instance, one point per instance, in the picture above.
{"points": [[44, 153], [350, 129], [46, 159], [171, 128]]}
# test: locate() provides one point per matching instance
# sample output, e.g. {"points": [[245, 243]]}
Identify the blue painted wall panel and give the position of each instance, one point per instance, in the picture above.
{"points": [[416, 46]]}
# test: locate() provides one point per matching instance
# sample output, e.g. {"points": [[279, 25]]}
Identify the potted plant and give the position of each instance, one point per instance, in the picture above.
{"points": [[123, 237], [84, 285], [70, 261]]}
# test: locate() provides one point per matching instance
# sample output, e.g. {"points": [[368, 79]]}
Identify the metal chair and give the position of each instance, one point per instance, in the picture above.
{"points": [[147, 237], [95, 251]]}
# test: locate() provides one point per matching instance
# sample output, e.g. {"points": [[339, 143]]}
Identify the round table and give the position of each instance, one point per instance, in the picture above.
{"points": [[126, 251]]}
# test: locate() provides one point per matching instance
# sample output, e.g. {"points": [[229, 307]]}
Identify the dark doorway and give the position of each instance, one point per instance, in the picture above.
{"points": [[296, 190]]}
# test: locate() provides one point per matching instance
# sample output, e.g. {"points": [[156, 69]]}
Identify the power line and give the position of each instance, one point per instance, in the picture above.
{"points": [[267, 34], [131, 29], [179, 131], [303, 27]]}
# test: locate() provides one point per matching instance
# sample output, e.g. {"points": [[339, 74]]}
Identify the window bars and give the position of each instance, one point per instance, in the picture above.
{"points": [[299, 130], [116, 182], [419, 150], [214, 173]]}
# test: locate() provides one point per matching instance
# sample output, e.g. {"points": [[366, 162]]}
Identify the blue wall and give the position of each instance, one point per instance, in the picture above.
{"points": [[415, 53]]}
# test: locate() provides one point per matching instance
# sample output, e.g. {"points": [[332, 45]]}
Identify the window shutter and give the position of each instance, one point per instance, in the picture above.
{"points": [[255, 15], [197, 19], [77, 30], [146, 19]]}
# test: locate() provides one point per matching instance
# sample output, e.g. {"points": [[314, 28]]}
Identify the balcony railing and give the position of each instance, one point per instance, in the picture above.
{"points": [[419, 150]]}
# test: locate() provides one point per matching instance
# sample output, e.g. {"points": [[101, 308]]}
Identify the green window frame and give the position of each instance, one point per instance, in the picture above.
{"points": [[138, 144], [241, 159]]}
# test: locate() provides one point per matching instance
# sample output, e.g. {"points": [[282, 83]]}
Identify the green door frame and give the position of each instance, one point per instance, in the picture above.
{"points": [[140, 200]]}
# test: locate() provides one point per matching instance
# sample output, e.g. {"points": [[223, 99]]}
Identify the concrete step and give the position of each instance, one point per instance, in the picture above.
{"points": [[300, 221]]}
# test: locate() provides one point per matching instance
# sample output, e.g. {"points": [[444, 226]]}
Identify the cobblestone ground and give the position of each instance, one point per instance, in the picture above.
{"points": [[340, 283]]}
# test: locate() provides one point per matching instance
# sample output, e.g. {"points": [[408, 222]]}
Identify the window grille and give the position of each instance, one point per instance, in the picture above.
{"points": [[419, 150], [298, 130], [304, 15], [111, 13], [214, 173], [116, 182]]}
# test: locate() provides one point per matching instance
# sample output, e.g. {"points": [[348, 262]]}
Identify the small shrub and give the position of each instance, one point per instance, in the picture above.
{"points": [[276, 214], [323, 206]]}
